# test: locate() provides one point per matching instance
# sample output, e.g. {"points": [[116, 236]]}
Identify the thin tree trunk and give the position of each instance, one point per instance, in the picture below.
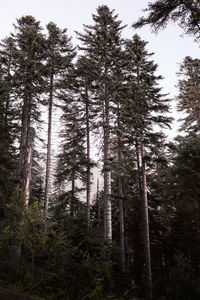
{"points": [[146, 222], [107, 173], [28, 165], [121, 201], [8, 90], [98, 206], [88, 153], [138, 168], [48, 164], [73, 198], [16, 253], [23, 141], [122, 231]]}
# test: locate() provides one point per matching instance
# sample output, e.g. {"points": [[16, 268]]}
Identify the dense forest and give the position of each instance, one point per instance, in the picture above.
{"points": [[138, 235]]}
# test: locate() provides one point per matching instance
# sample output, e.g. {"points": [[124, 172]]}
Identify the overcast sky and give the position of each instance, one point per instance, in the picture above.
{"points": [[168, 45]]}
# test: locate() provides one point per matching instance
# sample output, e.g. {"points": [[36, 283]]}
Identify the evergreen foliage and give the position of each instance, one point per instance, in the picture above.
{"points": [[96, 244]]}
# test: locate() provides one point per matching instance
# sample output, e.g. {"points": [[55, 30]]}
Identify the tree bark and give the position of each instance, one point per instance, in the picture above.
{"points": [[48, 163], [72, 198], [98, 206], [88, 153], [121, 199], [146, 222], [28, 165], [107, 173], [122, 231], [138, 168], [16, 253]]}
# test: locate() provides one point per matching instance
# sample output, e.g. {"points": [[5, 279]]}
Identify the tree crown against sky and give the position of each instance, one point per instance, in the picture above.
{"points": [[161, 12]]}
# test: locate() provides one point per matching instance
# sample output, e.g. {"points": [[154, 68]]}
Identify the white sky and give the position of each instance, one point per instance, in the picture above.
{"points": [[168, 46]]}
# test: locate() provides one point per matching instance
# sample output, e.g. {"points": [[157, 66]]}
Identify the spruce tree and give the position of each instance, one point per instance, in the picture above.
{"points": [[146, 106], [29, 83], [85, 88], [59, 57], [101, 42], [189, 94], [160, 12], [72, 160], [8, 123]]}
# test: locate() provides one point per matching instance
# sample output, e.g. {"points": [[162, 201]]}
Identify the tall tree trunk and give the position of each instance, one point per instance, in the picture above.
{"points": [[122, 231], [146, 222], [88, 153], [98, 206], [26, 116], [8, 89], [28, 165], [72, 209], [48, 163], [107, 172], [138, 168], [16, 253], [121, 199]]}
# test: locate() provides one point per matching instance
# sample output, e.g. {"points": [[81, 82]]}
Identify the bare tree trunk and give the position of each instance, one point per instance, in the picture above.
{"points": [[72, 198], [98, 206], [48, 163], [88, 153], [146, 222], [121, 199], [122, 231], [16, 253], [28, 165], [138, 168], [107, 173], [23, 142]]}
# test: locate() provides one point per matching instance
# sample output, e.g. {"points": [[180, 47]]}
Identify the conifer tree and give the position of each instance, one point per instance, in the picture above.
{"points": [[59, 60], [147, 107], [8, 123], [189, 93], [102, 43], [72, 160], [160, 12], [29, 81], [85, 72]]}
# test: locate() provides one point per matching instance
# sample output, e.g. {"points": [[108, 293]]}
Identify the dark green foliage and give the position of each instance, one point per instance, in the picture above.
{"points": [[189, 92], [160, 12], [112, 91]]}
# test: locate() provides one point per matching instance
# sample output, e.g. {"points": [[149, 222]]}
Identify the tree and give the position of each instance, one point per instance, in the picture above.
{"points": [[147, 107], [59, 60], [8, 126], [189, 93], [85, 87], [101, 43], [29, 82], [160, 12], [72, 160]]}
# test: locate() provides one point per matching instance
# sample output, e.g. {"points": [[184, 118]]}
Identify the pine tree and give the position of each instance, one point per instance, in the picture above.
{"points": [[29, 82], [85, 87], [59, 60], [189, 93], [9, 129], [160, 12], [145, 106], [102, 43], [72, 160]]}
